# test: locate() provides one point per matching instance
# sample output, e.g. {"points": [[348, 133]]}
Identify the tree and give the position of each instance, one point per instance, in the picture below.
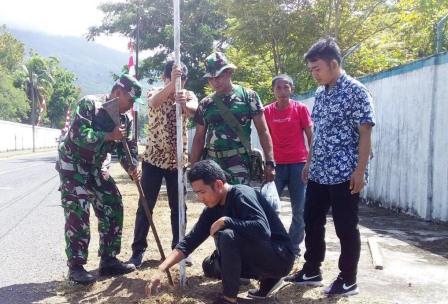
{"points": [[13, 102], [200, 30], [36, 80], [11, 51], [65, 92]]}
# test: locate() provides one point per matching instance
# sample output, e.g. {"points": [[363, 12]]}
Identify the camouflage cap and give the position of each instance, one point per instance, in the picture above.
{"points": [[215, 64], [130, 85]]}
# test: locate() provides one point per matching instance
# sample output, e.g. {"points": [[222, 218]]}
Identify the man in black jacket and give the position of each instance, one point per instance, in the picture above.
{"points": [[251, 241]]}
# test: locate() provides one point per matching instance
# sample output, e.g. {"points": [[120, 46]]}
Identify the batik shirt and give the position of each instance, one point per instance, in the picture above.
{"points": [[337, 114], [162, 135], [244, 105]]}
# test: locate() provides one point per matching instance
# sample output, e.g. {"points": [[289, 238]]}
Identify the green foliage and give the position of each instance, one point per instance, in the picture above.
{"points": [[11, 51], [200, 29], [65, 92], [13, 102]]}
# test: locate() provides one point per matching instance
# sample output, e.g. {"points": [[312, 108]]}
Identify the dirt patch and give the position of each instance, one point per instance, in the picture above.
{"points": [[375, 286]]}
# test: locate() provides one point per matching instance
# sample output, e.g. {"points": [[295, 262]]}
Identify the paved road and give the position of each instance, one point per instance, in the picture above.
{"points": [[31, 226]]}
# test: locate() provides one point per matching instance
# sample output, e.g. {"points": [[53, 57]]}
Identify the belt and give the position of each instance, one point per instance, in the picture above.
{"points": [[226, 153]]}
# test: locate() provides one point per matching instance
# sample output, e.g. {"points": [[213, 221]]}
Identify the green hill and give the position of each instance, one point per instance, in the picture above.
{"points": [[91, 62]]}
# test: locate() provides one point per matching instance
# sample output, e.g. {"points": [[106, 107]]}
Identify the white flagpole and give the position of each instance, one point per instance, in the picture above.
{"points": [[179, 131]]}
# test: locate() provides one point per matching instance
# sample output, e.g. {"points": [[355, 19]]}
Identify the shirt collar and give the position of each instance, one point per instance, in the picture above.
{"points": [[338, 83]]}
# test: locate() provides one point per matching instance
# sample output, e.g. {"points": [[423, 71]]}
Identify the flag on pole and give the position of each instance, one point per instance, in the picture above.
{"points": [[131, 65], [42, 109]]}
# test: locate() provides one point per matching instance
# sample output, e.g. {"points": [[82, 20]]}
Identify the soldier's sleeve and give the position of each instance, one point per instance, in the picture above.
{"points": [[255, 105], [127, 120], [81, 132]]}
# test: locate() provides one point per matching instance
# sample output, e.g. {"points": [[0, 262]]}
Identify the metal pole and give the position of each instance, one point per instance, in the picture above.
{"points": [[179, 131], [137, 42], [33, 110], [351, 51], [439, 33]]}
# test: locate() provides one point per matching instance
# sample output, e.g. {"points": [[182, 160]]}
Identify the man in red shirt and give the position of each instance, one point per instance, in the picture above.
{"points": [[289, 121]]}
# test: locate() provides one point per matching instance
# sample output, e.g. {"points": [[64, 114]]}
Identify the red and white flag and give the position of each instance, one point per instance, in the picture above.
{"points": [[131, 66]]}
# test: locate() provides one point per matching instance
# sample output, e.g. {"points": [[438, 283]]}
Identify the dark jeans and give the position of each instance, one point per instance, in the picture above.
{"points": [[236, 257], [151, 182], [344, 206], [291, 175]]}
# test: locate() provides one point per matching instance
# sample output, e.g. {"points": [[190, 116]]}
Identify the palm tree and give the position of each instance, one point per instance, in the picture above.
{"points": [[37, 81]]}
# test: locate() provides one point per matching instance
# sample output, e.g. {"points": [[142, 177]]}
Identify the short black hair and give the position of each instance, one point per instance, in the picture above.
{"points": [[208, 171], [284, 77], [326, 49], [169, 68]]}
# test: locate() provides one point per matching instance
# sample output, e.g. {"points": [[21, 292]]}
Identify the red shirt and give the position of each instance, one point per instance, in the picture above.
{"points": [[286, 127]]}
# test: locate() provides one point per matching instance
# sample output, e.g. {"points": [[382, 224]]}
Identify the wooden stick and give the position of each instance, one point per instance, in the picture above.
{"points": [[144, 203], [377, 258]]}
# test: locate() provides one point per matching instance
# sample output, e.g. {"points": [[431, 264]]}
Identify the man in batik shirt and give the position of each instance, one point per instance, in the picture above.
{"points": [[159, 159], [336, 169]]}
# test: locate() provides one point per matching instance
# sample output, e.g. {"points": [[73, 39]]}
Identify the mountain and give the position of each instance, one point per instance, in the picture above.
{"points": [[91, 62]]}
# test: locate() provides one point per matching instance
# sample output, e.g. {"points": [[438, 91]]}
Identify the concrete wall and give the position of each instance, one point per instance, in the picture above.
{"points": [[15, 136], [409, 171]]}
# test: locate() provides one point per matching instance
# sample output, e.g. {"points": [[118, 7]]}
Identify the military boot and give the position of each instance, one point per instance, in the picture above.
{"points": [[79, 275], [111, 266]]}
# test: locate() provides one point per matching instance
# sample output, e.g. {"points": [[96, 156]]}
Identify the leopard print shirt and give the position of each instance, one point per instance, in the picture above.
{"points": [[161, 147]]}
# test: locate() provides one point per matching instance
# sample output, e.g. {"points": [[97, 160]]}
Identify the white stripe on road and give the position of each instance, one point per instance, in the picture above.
{"points": [[18, 169]]}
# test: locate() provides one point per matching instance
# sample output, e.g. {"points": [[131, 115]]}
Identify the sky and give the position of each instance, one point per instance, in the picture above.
{"points": [[58, 17]]}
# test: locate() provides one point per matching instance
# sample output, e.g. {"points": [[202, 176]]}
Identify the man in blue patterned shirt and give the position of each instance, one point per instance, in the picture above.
{"points": [[336, 169]]}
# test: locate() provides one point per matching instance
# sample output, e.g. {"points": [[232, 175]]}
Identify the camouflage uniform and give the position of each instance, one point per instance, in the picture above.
{"points": [[222, 144], [81, 155]]}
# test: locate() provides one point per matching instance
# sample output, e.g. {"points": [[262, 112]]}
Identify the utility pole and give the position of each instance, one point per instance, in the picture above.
{"points": [[439, 33], [33, 110]]}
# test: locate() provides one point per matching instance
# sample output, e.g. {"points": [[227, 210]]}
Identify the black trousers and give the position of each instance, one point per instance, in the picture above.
{"points": [[344, 206], [151, 182], [236, 257]]}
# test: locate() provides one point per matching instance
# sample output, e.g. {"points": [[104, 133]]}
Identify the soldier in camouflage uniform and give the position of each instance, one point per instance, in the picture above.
{"points": [[92, 135], [221, 142]]}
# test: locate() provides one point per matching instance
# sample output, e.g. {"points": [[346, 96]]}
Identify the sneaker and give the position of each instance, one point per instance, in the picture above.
{"points": [[79, 275], [267, 288], [340, 287], [305, 279], [136, 259], [111, 266]]}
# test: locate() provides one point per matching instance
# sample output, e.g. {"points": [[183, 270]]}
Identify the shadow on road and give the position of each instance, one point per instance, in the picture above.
{"points": [[428, 236], [28, 293]]}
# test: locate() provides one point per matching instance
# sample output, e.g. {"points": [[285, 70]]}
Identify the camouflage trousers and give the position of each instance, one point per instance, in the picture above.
{"points": [[237, 166], [78, 191]]}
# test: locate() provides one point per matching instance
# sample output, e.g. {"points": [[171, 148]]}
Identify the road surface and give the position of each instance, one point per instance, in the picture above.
{"points": [[31, 228]]}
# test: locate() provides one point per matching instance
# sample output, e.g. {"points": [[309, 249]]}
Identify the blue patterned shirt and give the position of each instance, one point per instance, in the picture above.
{"points": [[337, 114]]}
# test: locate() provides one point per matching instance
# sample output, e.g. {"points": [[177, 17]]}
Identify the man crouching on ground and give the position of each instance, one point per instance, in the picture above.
{"points": [[250, 239]]}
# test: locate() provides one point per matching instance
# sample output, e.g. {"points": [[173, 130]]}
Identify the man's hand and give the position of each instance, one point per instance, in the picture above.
{"points": [[181, 98], [117, 134], [269, 173], [135, 173], [218, 225], [152, 288], [357, 181], [305, 173]]}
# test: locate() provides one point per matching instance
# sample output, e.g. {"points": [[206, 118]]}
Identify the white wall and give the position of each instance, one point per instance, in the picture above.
{"points": [[409, 171], [15, 136]]}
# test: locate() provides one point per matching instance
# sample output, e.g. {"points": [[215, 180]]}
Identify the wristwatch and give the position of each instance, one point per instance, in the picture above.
{"points": [[270, 163]]}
